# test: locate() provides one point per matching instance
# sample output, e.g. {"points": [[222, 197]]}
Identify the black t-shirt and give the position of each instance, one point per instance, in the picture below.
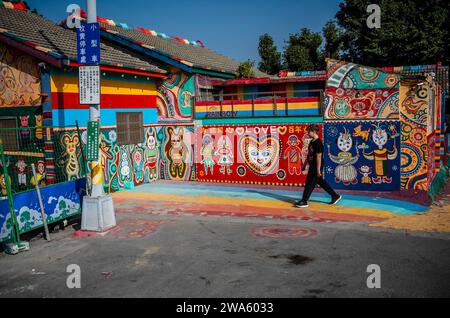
{"points": [[315, 147]]}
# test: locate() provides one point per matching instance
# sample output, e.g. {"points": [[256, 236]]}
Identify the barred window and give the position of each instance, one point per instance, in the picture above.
{"points": [[9, 133], [130, 128]]}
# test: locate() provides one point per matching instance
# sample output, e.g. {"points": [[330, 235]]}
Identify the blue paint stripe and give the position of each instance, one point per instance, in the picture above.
{"points": [[67, 117]]}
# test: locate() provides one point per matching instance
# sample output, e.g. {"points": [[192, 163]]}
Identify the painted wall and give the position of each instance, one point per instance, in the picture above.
{"points": [[258, 154], [175, 97], [19, 79], [119, 93], [362, 155], [362, 127], [166, 153], [414, 116]]}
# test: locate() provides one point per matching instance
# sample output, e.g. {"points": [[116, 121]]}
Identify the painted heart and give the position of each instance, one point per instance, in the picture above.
{"points": [[240, 131], [260, 155], [282, 130]]}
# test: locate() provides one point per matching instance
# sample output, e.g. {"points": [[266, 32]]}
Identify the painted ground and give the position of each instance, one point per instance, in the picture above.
{"points": [[229, 200]]}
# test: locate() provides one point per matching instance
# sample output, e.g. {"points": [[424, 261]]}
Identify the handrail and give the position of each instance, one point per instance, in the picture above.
{"points": [[269, 94]]}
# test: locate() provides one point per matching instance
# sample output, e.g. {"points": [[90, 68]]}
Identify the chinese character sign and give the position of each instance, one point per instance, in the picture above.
{"points": [[92, 140], [89, 84], [88, 43]]}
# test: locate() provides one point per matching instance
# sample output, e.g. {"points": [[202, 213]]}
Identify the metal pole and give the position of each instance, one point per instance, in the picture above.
{"points": [[94, 115], [44, 218]]}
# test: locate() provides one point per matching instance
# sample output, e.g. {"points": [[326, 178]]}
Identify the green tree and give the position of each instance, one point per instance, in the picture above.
{"points": [[333, 40], [302, 51], [245, 69], [270, 58], [411, 32]]}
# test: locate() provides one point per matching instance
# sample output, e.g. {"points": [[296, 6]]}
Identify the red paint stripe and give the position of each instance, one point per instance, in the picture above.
{"points": [[71, 101]]}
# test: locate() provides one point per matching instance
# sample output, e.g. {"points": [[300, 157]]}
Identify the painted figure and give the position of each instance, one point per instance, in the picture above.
{"points": [[225, 153], [176, 152], [138, 165], [39, 134], [3, 184], [365, 171], [208, 152], [305, 141], [382, 155], [40, 174], [293, 154], [152, 155], [72, 167], [24, 130], [345, 171], [124, 166], [21, 169]]}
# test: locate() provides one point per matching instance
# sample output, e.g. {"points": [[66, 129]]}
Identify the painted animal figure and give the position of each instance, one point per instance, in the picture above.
{"points": [[207, 152], [72, 167], [364, 134], [152, 156], [39, 135], [293, 154], [176, 152], [381, 156], [345, 172], [3, 184], [40, 174]]}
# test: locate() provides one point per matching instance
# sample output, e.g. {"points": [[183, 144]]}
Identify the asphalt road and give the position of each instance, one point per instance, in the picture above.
{"points": [[195, 256]]}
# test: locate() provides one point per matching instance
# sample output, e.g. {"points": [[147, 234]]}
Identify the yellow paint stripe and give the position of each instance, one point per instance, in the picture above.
{"points": [[252, 202], [70, 85]]}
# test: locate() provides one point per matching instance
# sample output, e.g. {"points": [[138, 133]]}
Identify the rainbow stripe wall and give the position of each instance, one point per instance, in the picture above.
{"points": [[119, 92]]}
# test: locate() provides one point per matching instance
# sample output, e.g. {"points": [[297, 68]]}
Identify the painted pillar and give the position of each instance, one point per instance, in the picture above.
{"points": [[49, 148]]}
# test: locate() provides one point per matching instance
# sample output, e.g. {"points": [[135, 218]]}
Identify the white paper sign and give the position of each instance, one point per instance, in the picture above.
{"points": [[89, 84]]}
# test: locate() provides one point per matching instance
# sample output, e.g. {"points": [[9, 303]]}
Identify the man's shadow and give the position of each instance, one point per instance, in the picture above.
{"points": [[283, 198]]}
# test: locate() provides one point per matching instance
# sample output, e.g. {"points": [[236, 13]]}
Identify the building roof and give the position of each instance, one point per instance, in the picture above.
{"points": [[191, 53], [58, 42]]}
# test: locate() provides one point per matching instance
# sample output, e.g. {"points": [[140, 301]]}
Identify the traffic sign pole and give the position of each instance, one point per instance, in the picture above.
{"points": [[94, 115]]}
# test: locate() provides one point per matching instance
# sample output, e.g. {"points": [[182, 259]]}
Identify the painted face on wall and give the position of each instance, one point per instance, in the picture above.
{"points": [[38, 120], [342, 108], [21, 164], [125, 168], [137, 157], [344, 141], [379, 137], [24, 121], [260, 157], [176, 139], [41, 166], [151, 142], [293, 141]]}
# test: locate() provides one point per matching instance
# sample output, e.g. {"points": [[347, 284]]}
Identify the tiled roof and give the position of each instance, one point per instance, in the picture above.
{"points": [[44, 35], [188, 52]]}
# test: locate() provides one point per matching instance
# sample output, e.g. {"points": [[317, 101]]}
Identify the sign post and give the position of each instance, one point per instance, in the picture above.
{"points": [[98, 209]]}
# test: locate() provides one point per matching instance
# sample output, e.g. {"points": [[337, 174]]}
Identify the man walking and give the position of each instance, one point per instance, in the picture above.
{"points": [[315, 172]]}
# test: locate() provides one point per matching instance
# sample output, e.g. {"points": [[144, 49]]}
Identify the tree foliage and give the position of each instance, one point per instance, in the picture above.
{"points": [[302, 51], [411, 32], [245, 69], [270, 57]]}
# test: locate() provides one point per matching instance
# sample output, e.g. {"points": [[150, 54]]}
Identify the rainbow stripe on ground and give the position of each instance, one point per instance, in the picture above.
{"points": [[201, 198]]}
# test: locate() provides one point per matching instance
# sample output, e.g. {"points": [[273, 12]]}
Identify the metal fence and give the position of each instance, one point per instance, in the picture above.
{"points": [[56, 153]]}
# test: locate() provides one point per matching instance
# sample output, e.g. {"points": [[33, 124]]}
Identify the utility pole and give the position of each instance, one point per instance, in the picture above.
{"points": [[98, 209]]}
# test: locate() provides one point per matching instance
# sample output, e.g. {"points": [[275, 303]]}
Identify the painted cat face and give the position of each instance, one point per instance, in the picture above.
{"points": [[260, 157], [151, 142], [342, 108], [379, 137], [364, 169], [344, 142]]}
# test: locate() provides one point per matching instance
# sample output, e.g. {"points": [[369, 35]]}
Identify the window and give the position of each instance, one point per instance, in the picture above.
{"points": [[130, 129], [9, 136]]}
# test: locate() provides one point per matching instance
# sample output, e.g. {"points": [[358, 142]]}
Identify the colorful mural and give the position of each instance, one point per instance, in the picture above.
{"points": [[165, 153], [361, 104], [19, 79], [175, 97], [414, 113], [258, 154], [362, 155], [353, 76]]}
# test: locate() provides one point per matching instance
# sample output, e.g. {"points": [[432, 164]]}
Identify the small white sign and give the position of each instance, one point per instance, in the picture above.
{"points": [[89, 84]]}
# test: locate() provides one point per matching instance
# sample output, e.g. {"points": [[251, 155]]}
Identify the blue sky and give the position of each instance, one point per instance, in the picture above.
{"points": [[230, 27]]}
